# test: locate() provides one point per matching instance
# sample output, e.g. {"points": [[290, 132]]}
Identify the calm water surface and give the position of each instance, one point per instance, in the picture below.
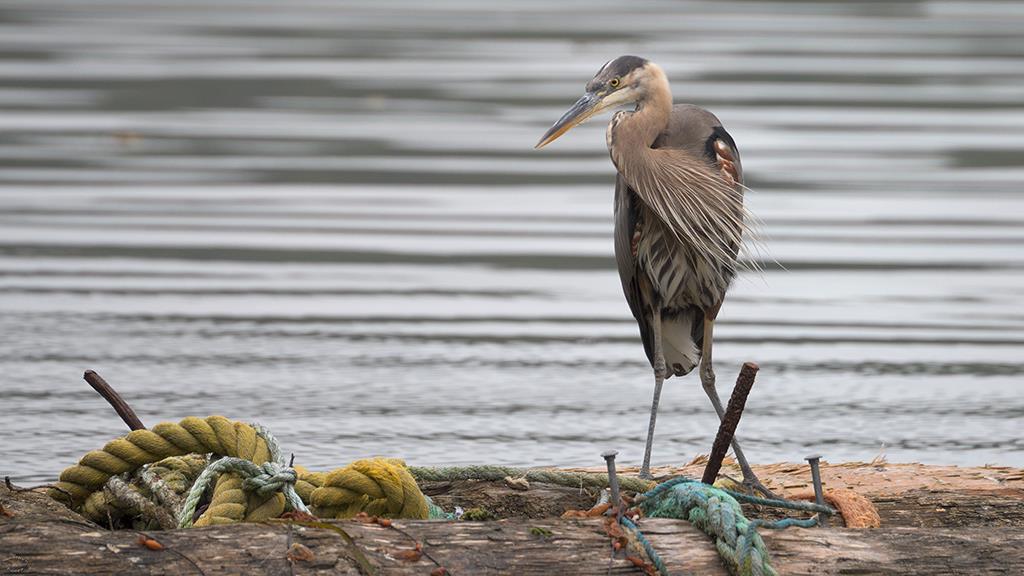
{"points": [[329, 217]]}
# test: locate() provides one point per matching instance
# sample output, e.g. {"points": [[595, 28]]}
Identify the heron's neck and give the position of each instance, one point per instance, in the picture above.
{"points": [[632, 134], [651, 115]]}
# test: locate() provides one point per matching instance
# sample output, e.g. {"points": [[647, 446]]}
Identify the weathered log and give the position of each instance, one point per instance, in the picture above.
{"points": [[40, 537], [952, 509]]}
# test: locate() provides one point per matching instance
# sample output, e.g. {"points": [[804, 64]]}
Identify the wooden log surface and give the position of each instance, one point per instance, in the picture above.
{"points": [[905, 494], [39, 536]]}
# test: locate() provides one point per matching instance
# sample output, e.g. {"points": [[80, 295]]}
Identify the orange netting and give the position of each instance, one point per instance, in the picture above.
{"points": [[857, 511]]}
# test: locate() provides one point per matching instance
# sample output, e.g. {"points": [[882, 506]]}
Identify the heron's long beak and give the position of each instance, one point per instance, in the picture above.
{"points": [[584, 108]]}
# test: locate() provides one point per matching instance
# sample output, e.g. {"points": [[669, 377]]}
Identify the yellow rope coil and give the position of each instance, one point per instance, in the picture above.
{"points": [[213, 435], [308, 482], [380, 487]]}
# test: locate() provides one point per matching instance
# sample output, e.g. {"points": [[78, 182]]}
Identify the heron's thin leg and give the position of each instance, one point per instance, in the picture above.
{"points": [[659, 380], [707, 380]]}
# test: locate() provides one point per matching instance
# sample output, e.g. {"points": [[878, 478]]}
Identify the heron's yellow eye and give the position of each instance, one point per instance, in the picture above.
{"points": [[614, 82]]}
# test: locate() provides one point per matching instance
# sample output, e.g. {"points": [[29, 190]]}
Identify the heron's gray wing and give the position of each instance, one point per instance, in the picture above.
{"points": [[626, 218], [695, 204], [700, 133]]}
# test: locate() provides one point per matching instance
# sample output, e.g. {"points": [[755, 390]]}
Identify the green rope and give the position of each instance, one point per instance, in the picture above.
{"points": [[652, 554], [542, 475], [270, 477], [265, 479], [718, 513], [436, 512], [800, 505]]}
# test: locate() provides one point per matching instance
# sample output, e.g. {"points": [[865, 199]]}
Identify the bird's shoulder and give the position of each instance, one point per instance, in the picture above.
{"points": [[699, 133]]}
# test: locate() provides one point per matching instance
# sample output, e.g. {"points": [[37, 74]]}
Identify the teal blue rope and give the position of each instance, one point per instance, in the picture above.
{"points": [[786, 523], [743, 497], [717, 512], [436, 512], [780, 503], [648, 547]]}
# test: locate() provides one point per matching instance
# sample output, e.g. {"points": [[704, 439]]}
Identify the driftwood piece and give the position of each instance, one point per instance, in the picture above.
{"points": [[39, 537], [115, 400]]}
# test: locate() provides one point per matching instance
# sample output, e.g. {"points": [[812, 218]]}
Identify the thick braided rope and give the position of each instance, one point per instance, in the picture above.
{"points": [[163, 483], [161, 492], [377, 486], [340, 498], [213, 435], [717, 513], [231, 502], [251, 480], [264, 480], [129, 497], [542, 475]]}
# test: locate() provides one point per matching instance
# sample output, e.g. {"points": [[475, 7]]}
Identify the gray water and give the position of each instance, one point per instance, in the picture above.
{"points": [[329, 217]]}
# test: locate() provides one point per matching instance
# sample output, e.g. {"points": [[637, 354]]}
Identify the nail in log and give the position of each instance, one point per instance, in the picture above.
{"points": [[731, 419]]}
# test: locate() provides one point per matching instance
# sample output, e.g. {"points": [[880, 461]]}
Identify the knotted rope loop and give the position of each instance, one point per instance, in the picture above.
{"points": [[272, 477], [718, 513], [265, 480]]}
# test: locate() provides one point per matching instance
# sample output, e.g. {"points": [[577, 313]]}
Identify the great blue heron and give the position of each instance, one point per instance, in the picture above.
{"points": [[679, 219]]}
